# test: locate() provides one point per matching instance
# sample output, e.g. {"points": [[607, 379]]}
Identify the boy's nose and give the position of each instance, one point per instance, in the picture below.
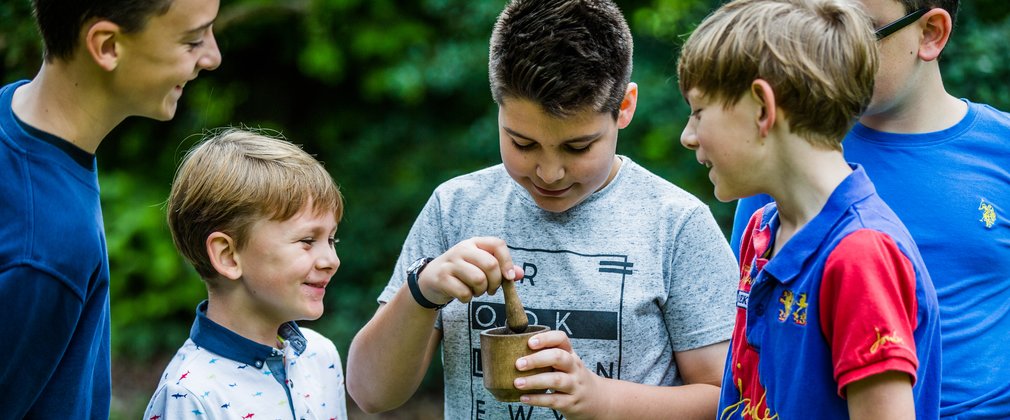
{"points": [[688, 138], [550, 172], [330, 261], [212, 59]]}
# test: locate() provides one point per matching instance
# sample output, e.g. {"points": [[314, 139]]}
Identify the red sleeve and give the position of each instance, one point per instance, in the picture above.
{"points": [[868, 308]]}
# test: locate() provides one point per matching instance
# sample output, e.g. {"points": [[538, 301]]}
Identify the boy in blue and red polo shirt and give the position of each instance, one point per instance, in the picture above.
{"points": [[837, 316]]}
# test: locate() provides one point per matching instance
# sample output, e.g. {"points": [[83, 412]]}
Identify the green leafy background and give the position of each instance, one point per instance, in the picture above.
{"points": [[393, 97]]}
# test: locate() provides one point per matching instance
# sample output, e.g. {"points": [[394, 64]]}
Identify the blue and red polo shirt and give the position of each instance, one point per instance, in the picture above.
{"points": [[846, 298]]}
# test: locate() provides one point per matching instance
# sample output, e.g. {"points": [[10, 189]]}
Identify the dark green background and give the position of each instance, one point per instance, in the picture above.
{"points": [[393, 97]]}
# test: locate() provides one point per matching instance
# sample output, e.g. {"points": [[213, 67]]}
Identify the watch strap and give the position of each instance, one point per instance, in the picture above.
{"points": [[415, 290]]}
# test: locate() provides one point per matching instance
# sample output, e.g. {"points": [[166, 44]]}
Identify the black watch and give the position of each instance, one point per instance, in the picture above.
{"points": [[412, 274]]}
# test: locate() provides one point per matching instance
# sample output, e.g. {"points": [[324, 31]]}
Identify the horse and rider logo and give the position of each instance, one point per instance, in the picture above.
{"points": [[988, 214]]}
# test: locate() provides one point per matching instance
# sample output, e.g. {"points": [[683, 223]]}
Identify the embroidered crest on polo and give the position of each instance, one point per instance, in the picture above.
{"points": [[988, 214]]}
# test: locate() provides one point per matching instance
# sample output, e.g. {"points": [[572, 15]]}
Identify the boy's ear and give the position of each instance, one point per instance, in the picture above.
{"points": [[100, 43], [763, 93], [936, 28], [628, 105], [223, 253]]}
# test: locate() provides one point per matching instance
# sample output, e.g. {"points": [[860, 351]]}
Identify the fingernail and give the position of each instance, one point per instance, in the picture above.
{"points": [[511, 274], [524, 398], [521, 363], [520, 383], [534, 342]]}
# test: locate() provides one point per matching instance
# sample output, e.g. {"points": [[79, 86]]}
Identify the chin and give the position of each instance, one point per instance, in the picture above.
{"points": [[725, 196], [555, 204], [159, 115], [168, 114], [313, 313], [554, 207]]}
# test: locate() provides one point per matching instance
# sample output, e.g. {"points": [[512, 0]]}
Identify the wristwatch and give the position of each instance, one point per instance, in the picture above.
{"points": [[413, 271]]}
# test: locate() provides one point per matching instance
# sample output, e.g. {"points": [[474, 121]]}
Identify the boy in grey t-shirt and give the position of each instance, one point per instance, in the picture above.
{"points": [[630, 272]]}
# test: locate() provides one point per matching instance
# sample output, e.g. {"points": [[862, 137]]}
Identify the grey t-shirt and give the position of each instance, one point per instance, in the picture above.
{"points": [[637, 271]]}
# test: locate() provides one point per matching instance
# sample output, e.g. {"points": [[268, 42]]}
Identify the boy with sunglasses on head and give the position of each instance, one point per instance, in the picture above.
{"points": [[631, 273], [105, 60], [943, 165], [257, 217], [837, 317]]}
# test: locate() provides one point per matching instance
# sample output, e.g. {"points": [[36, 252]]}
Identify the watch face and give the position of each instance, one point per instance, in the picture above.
{"points": [[416, 264]]}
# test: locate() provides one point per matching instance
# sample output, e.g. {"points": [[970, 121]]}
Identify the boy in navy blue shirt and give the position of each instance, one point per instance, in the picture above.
{"points": [[105, 60], [837, 316]]}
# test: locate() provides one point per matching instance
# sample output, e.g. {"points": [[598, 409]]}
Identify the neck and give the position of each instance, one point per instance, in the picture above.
{"points": [[925, 107], [69, 102], [232, 314], [805, 181]]}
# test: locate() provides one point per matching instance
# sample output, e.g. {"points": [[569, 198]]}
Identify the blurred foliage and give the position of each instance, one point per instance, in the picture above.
{"points": [[393, 97]]}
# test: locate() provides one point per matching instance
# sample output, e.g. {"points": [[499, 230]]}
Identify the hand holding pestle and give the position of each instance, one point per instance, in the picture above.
{"points": [[515, 314]]}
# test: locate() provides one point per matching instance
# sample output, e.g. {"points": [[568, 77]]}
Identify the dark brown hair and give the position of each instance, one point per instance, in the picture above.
{"points": [[60, 21], [566, 55]]}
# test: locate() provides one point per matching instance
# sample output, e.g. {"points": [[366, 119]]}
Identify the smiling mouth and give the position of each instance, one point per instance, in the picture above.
{"points": [[551, 193]]}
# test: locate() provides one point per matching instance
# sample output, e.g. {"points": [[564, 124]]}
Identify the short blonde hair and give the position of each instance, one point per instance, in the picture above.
{"points": [[819, 56], [235, 177]]}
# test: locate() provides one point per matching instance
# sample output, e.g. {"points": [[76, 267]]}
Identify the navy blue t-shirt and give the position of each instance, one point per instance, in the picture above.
{"points": [[54, 276]]}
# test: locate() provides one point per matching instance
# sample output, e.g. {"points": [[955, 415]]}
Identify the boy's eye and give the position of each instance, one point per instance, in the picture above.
{"points": [[334, 242], [522, 146], [195, 44], [579, 148]]}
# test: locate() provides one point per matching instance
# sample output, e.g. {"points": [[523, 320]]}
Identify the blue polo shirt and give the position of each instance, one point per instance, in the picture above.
{"points": [[846, 298], [220, 374]]}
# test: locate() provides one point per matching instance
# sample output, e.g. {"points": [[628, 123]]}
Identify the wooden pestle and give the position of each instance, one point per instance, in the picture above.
{"points": [[515, 314]]}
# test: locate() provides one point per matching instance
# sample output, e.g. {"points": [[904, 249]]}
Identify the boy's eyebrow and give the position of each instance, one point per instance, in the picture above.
{"points": [[586, 137], [199, 29]]}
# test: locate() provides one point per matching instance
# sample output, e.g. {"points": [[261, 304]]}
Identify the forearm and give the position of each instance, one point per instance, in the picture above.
{"points": [[624, 400], [389, 356], [700, 369], [886, 395]]}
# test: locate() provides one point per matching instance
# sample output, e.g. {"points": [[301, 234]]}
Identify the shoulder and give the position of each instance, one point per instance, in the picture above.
{"points": [[985, 125], [186, 359], [647, 188], [319, 344], [876, 253], [173, 399], [875, 220], [987, 111], [315, 339], [639, 200], [868, 263], [863, 244], [468, 191], [483, 179]]}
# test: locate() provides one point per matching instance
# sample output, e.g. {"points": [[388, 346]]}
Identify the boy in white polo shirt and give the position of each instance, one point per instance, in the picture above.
{"points": [[256, 216]]}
